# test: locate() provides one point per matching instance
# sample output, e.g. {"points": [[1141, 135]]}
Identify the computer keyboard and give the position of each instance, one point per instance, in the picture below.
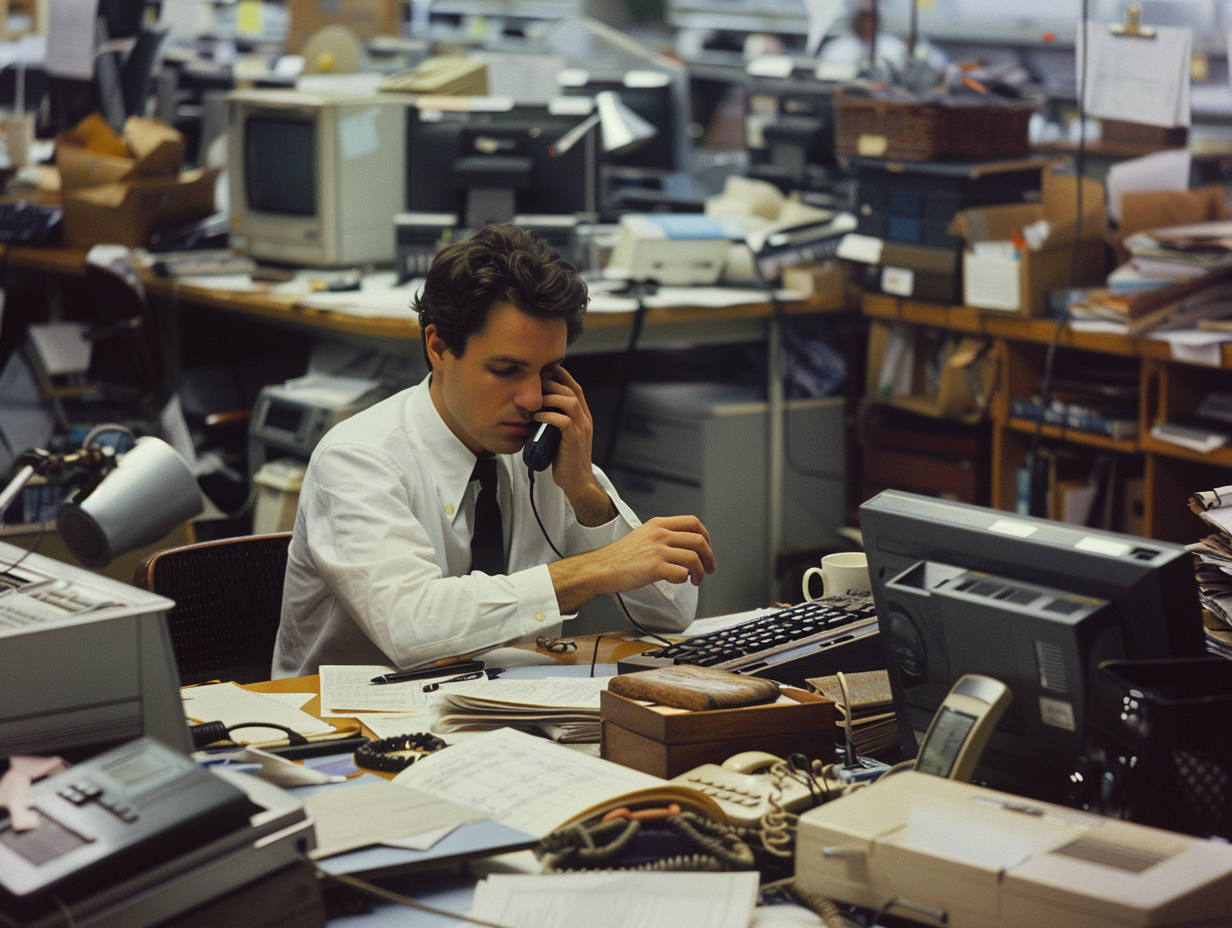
{"points": [[30, 223], [810, 640]]}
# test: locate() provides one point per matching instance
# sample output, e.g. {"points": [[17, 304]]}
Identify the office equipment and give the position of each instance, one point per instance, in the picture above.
{"points": [[674, 454], [202, 264], [674, 249], [492, 161], [293, 416], [1035, 604], [789, 131], [945, 852], [418, 237], [811, 639], [666, 741], [958, 732], [742, 785], [315, 178], [539, 451], [228, 598], [140, 835], [442, 74], [102, 655], [277, 485]]}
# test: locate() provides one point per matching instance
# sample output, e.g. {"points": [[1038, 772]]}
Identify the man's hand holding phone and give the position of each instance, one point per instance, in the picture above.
{"points": [[564, 406]]}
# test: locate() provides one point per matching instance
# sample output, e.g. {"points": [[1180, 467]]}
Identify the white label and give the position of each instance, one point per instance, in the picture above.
{"points": [[1056, 713], [571, 106], [771, 66], [1103, 546], [357, 135], [649, 78], [863, 248], [1010, 527], [899, 281]]}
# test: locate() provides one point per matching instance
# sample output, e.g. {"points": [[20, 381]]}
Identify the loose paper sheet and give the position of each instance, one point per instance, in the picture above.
{"points": [[375, 812], [616, 900], [348, 688], [70, 38], [232, 705]]}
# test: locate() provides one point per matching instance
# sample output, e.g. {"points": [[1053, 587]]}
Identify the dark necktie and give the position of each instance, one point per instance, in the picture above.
{"points": [[487, 542]]}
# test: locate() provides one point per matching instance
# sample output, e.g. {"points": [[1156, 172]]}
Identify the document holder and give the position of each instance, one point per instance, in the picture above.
{"points": [[1160, 743]]}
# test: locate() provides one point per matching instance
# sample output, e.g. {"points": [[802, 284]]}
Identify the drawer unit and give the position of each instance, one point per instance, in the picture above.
{"points": [[702, 449]]}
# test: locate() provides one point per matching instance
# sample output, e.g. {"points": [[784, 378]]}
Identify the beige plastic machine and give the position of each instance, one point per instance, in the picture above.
{"points": [[944, 852]]}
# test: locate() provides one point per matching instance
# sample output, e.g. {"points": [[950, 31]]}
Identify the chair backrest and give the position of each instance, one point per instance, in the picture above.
{"points": [[228, 597]]}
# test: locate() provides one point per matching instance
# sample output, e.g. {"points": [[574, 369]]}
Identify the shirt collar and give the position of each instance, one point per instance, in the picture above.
{"points": [[451, 462]]}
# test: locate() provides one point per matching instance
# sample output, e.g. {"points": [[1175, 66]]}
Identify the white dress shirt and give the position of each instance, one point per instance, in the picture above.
{"points": [[377, 571]]}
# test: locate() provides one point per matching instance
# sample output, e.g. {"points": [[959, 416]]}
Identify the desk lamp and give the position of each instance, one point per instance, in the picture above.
{"points": [[121, 502], [620, 128]]}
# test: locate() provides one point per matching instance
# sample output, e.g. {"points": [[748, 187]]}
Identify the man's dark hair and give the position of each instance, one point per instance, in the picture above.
{"points": [[498, 264]]}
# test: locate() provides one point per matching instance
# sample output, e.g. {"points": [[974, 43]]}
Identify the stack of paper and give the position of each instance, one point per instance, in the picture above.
{"points": [[565, 709], [1214, 568], [870, 716]]}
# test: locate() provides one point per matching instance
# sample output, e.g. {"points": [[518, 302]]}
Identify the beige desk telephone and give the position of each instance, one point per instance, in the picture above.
{"points": [[742, 786]]}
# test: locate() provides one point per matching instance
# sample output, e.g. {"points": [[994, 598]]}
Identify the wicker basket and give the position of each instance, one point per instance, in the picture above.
{"points": [[914, 131]]}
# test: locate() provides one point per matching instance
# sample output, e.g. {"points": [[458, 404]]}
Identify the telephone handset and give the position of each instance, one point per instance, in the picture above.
{"points": [[540, 448], [961, 726], [743, 792]]}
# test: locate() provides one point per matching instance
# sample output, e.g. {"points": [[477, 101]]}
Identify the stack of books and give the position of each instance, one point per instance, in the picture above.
{"points": [[866, 715], [1214, 567], [1107, 406]]}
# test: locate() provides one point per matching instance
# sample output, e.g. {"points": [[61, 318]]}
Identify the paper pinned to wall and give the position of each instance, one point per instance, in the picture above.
{"points": [[1142, 80], [1161, 170], [70, 38]]}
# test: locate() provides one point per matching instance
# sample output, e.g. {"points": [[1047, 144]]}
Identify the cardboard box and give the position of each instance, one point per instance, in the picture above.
{"points": [[366, 18], [126, 213], [1016, 254], [667, 742], [902, 360], [117, 189]]}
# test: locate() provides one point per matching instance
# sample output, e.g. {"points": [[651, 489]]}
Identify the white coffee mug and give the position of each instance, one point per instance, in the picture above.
{"points": [[841, 574]]}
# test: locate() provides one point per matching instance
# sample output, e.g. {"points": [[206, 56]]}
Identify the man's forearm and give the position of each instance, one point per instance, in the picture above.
{"points": [[592, 506], [577, 580]]}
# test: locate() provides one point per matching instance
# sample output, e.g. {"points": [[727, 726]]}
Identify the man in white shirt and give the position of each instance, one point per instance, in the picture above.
{"points": [[379, 569]]}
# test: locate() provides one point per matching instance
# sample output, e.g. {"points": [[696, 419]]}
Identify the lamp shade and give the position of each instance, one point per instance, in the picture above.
{"points": [[622, 129], [149, 492]]}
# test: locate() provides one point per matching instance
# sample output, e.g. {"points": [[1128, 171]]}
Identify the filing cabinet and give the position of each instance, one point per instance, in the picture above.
{"points": [[703, 449]]}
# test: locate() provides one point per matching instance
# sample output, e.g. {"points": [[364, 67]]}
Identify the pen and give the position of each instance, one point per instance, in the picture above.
{"points": [[400, 676], [491, 674]]}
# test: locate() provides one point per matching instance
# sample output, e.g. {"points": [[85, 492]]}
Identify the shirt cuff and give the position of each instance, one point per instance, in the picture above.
{"points": [[537, 605]]}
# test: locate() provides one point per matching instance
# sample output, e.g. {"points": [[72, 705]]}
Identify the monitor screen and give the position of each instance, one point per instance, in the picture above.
{"points": [[1035, 604], [280, 164], [447, 154]]}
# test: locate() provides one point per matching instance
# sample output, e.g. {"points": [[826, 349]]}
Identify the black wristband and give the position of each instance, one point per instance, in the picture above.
{"points": [[387, 754]]}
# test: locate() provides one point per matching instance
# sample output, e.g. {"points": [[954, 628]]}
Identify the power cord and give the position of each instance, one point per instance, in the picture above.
{"points": [[1037, 498], [632, 621]]}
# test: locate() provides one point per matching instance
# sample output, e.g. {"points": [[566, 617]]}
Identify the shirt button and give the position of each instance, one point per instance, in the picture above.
{"points": [[448, 509], [539, 616]]}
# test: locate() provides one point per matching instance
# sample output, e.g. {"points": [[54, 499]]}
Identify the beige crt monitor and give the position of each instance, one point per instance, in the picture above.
{"points": [[315, 178], [944, 852]]}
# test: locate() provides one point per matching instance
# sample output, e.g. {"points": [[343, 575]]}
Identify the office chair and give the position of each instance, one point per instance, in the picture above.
{"points": [[228, 596]]}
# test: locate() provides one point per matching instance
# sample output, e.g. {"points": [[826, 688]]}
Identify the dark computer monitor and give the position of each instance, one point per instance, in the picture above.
{"points": [[790, 131], [487, 167], [1035, 604]]}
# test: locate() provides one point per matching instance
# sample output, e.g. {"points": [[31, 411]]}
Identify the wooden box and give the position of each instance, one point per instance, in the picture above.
{"points": [[666, 742]]}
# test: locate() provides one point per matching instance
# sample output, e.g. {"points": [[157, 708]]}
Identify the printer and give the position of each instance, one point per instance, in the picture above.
{"points": [[944, 852]]}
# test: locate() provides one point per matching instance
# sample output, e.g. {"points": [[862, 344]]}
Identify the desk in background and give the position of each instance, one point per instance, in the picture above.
{"points": [[605, 333]]}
